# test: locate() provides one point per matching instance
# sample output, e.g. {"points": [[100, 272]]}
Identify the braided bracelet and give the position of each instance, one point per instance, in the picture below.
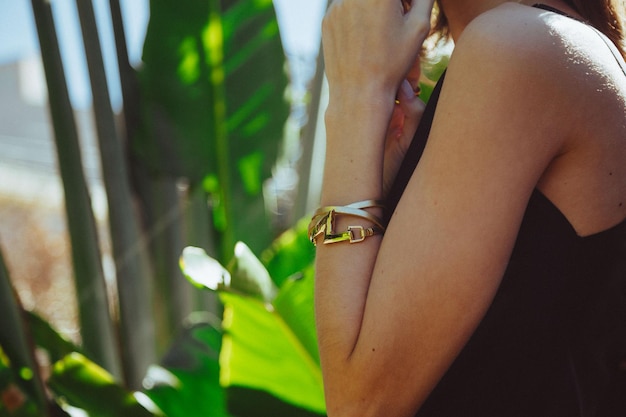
{"points": [[323, 222]]}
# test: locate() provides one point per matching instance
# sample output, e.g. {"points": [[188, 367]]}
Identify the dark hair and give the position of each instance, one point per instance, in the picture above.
{"points": [[602, 14], [440, 22]]}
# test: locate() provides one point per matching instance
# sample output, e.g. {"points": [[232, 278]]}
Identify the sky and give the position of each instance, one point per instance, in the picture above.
{"points": [[299, 21]]}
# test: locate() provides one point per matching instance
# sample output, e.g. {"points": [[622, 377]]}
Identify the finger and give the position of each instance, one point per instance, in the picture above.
{"points": [[418, 16], [410, 105], [408, 96], [420, 8]]}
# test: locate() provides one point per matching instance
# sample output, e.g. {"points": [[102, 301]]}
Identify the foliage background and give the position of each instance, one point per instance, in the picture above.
{"points": [[210, 147], [250, 166]]}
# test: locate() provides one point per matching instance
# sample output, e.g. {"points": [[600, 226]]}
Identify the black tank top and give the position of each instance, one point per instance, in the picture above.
{"points": [[551, 343]]}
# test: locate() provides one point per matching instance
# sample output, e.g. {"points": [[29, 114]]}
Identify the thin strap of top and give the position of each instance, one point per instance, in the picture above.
{"points": [[418, 144], [605, 39]]}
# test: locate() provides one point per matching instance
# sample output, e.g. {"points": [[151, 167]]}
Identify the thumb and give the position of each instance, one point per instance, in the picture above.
{"points": [[412, 108]]}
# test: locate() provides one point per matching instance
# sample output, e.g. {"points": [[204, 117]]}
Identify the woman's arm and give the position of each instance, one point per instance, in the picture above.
{"points": [[393, 312]]}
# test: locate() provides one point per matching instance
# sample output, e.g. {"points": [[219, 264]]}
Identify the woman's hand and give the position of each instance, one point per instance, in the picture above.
{"points": [[373, 43], [370, 48]]}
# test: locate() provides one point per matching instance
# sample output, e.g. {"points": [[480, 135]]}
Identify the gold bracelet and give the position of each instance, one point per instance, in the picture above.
{"points": [[354, 209], [323, 222]]}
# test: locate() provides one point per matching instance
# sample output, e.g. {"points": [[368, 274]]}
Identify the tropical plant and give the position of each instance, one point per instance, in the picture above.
{"points": [[269, 341], [98, 335], [261, 360], [214, 109], [207, 109], [212, 112]]}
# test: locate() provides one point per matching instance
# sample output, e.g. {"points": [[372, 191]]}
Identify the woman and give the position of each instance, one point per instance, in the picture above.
{"points": [[498, 288]]}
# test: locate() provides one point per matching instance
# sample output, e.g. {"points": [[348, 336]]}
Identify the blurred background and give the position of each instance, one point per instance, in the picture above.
{"points": [[32, 221], [214, 116]]}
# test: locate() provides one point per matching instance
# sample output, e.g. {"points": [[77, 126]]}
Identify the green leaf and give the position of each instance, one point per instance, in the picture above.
{"points": [[203, 271], [187, 382], [14, 342], [49, 339], [291, 253], [213, 84], [85, 385], [261, 352], [247, 275], [295, 306], [250, 276], [244, 402], [267, 347]]}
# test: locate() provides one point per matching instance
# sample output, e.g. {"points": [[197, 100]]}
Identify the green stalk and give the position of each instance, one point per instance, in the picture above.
{"points": [[128, 80], [97, 329], [159, 204], [129, 249], [198, 233], [165, 225], [16, 344], [217, 77]]}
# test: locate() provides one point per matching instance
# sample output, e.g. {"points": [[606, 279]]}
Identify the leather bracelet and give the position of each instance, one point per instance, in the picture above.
{"points": [[358, 205], [349, 211], [354, 209], [323, 222]]}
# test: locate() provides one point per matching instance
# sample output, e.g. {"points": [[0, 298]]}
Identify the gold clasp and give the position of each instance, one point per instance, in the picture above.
{"points": [[362, 234]]}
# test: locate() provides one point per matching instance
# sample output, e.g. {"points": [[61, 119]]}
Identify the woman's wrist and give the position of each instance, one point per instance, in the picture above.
{"points": [[372, 94], [362, 117], [356, 126]]}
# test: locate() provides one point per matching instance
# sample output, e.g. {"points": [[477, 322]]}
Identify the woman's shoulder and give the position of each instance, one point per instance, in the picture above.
{"points": [[534, 36], [517, 31], [552, 55], [509, 50], [544, 81]]}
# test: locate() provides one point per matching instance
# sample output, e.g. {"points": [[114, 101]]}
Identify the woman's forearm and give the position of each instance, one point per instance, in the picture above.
{"points": [[355, 134], [369, 48], [353, 172]]}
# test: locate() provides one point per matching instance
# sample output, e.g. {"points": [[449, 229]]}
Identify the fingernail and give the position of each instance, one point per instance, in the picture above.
{"points": [[407, 90]]}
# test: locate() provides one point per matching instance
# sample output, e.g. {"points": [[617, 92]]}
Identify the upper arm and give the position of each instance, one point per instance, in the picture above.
{"points": [[449, 241]]}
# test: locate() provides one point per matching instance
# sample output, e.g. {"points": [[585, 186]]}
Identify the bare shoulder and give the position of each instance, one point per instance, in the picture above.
{"points": [[533, 39], [550, 88], [508, 26], [507, 66], [518, 57]]}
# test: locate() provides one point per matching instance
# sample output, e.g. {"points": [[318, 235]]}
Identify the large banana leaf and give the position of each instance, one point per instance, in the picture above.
{"points": [[85, 385], [269, 335], [77, 381], [262, 352], [187, 382], [290, 254], [213, 86]]}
